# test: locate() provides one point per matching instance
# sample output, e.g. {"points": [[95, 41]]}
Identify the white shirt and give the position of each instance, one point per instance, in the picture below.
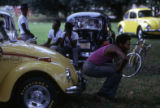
{"points": [[54, 38], [22, 19], [74, 36]]}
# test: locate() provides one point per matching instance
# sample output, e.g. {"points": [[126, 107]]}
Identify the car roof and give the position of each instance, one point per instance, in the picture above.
{"points": [[79, 14], [4, 13], [139, 9]]}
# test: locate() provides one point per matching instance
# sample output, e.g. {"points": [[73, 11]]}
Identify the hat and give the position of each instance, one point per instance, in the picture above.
{"points": [[24, 6]]}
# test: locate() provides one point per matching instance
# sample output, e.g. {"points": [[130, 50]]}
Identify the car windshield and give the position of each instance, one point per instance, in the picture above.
{"points": [[7, 28], [87, 23], [145, 13]]}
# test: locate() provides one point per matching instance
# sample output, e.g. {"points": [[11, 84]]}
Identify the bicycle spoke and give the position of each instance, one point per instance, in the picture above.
{"points": [[133, 66]]}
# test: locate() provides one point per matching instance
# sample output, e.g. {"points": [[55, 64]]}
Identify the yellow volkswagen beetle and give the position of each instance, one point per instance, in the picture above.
{"points": [[140, 22], [32, 76]]}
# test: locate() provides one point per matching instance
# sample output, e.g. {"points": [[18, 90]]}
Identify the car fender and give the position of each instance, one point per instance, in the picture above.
{"points": [[121, 24], [143, 25], [12, 77]]}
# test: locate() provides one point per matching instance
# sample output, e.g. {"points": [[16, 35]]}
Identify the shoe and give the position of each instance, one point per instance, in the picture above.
{"points": [[104, 98]]}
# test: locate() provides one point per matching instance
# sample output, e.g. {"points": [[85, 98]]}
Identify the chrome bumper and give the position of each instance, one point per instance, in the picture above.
{"points": [[151, 30], [78, 88]]}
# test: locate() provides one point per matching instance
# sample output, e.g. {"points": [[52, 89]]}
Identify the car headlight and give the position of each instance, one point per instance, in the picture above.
{"points": [[148, 27], [68, 74], [85, 54]]}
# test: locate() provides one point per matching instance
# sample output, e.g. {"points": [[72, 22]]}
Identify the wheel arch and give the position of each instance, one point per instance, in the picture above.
{"points": [[8, 84], [121, 24], [139, 26], [35, 73]]}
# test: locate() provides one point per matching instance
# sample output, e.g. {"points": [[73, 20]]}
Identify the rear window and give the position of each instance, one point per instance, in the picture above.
{"points": [[87, 23], [145, 13]]}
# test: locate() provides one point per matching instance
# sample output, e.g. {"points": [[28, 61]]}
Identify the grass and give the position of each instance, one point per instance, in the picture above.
{"points": [[141, 91]]}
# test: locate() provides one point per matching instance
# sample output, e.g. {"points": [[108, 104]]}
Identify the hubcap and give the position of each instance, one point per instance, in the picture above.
{"points": [[37, 96]]}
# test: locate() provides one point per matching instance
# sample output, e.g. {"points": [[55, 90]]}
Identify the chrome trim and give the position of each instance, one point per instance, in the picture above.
{"points": [[68, 74], [152, 30], [72, 90], [77, 88], [80, 87]]}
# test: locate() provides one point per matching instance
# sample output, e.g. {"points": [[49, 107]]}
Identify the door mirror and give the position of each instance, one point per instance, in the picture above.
{"points": [[1, 51]]}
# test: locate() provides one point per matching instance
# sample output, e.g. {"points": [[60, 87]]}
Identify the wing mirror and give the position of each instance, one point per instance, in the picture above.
{"points": [[1, 51]]}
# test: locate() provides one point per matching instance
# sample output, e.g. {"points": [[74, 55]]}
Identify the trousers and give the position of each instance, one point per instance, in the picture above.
{"points": [[108, 71]]}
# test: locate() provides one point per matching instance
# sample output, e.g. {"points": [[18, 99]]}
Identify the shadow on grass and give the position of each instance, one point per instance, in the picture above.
{"points": [[90, 101]]}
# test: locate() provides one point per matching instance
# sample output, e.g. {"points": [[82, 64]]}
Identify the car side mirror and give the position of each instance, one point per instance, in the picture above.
{"points": [[1, 51]]}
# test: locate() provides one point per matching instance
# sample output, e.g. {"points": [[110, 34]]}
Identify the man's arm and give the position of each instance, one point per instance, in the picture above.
{"points": [[62, 39], [120, 65], [115, 51], [26, 31], [58, 41], [47, 44], [73, 42]]}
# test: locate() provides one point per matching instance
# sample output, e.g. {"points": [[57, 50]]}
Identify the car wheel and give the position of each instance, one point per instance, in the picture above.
{"points": [[120, 30], [36, 92], [140, 33]]}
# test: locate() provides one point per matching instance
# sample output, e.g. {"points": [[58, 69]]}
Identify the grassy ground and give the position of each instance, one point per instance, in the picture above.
{"points": [[141, 91]]}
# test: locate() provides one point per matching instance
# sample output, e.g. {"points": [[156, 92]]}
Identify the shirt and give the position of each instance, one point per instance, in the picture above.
{"points": [[98, 56], [54, 38], [22, 19], [74, 36]]}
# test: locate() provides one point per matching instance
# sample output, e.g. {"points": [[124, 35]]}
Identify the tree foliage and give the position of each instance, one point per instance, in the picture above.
{"points": [[66, 7]]}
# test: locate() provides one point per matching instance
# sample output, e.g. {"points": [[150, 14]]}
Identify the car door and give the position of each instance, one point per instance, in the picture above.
{"points": [[132, 24], [126, 22]]}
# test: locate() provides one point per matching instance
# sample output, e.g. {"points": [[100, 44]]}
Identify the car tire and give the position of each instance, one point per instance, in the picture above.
{"points": [[36, 92], [139, 33], [120, 30]]}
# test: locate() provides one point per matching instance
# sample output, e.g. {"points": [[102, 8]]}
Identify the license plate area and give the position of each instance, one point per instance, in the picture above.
{"points": [[85, 45]]}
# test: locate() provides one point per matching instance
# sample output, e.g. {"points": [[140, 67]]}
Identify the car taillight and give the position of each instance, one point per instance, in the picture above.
{"points": [[47, 59], [105, 43], [19, 38]]}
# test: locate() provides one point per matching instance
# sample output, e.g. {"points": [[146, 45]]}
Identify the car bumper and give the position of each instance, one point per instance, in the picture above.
{"points": [[152, 30], [80, 87]]}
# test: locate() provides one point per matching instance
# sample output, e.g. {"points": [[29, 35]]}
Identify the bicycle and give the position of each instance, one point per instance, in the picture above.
{"points": [[136, 58]]}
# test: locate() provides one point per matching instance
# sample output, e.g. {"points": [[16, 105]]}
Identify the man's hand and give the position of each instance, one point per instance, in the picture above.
{"points": [[121, 64]]}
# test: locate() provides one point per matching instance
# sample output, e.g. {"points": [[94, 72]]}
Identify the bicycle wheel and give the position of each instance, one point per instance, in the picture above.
{"points": [[133, 66], [143, 53]]}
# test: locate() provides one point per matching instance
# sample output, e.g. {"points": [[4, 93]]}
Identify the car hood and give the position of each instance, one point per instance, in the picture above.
{"points": [[34, 51], [152, 21]]}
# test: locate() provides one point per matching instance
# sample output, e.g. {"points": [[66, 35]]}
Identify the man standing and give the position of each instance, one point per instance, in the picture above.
{"points": [[70, 42], [99, 64], [55, 36], [23, 24]]}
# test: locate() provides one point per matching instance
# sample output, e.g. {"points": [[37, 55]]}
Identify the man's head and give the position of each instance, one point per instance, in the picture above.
{"points": [[123, 42], [68, 27], [24, 9], [56, 24]]}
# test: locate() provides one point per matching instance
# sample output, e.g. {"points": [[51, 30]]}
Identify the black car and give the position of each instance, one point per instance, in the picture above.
{"points": [[93, 29]]}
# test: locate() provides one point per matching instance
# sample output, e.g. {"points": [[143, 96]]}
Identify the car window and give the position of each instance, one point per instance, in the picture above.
{"points": [[3, 34], [145, 13], [132, 15], [87, 23], [126, 15]]}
